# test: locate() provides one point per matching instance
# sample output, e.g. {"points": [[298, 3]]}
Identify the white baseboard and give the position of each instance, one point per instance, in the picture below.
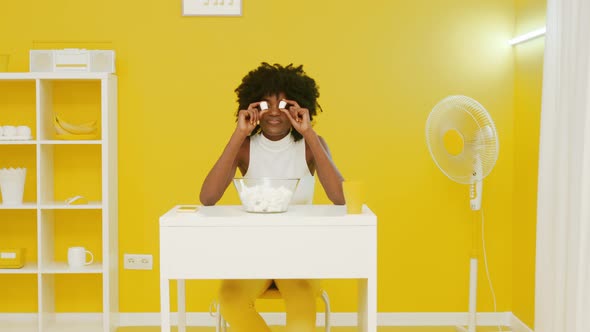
{"points": [[278, 318], [441, 318], [348, 319]]}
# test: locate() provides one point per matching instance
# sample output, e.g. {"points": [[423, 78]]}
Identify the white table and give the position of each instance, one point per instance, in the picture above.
{"points": [[308, 241]]}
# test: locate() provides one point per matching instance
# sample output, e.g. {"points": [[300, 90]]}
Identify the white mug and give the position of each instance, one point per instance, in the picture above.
{"points": [[77, 257]]}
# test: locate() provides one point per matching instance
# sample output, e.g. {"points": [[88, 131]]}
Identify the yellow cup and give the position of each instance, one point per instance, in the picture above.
{"points": [[4, 62], [354, 196]]}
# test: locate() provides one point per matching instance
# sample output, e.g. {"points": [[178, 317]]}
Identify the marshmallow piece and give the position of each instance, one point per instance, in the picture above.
{"points": [[263, 105], [9, 131], [23, 131], [1, 130], [282, 104], [261, 198]]}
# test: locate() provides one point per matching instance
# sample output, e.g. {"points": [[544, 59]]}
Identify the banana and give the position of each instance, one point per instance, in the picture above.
{"points": [[88, 124], [58, 129], [85, 128]]}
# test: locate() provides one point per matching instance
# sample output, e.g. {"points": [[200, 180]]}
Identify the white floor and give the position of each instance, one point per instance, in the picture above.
{"points": [[334, 329]]}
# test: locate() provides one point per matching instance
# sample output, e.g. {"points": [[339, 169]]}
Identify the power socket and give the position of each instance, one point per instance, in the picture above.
{"points": [[137, 262], [212, 7]]}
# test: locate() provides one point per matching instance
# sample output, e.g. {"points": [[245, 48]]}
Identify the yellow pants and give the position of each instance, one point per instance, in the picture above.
{"points": [[237, 298]]}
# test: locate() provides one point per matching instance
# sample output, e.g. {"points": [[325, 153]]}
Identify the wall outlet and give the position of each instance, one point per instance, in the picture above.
{"points": [[137, 262], [212, 7]]}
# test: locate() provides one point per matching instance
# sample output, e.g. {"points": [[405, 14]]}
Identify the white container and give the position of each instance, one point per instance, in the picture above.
{"points": [[72, 60], [12, 185], [265, 195]]}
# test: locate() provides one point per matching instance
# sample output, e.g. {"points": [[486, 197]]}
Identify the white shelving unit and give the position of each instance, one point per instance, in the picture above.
{"points": [[46, 157]]}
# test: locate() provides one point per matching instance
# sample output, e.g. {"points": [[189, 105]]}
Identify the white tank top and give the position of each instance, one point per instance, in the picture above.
{"points": [[284, 158]]}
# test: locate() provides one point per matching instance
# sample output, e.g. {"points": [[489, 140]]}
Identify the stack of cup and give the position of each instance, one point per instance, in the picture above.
{"points": [[12, 185]]}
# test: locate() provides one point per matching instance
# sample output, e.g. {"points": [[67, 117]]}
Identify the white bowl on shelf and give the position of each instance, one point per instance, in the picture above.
{"points": [[15, 133]]}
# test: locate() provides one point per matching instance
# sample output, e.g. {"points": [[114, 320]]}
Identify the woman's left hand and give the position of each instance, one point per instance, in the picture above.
{"points": [[298, 116]]}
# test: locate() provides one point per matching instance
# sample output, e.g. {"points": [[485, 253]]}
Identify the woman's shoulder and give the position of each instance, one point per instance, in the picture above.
{"points": [[321, 139]]}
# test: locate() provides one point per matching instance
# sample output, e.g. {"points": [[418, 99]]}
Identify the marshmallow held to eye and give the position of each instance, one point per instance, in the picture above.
{"points": [[263, 105], [282, 104]]}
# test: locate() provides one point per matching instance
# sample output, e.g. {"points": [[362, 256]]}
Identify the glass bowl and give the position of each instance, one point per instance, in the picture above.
{"points": [[265, 195]]}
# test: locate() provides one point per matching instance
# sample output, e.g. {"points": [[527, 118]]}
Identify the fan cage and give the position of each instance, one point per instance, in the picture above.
{"points": [[471, 120]]}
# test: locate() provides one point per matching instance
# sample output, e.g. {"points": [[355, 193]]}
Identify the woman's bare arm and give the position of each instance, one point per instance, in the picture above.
{"points": [[222, 173]]}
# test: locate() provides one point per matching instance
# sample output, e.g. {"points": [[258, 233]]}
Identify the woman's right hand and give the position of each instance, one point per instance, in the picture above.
{"points": [[248, 119]]}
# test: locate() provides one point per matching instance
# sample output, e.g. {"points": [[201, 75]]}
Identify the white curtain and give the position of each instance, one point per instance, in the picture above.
{"points": [[562, 296]]}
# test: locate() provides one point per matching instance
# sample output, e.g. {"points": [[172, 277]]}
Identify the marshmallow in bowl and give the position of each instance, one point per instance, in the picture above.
{"points": [[262, 198], [9, 131], [23, 131]]}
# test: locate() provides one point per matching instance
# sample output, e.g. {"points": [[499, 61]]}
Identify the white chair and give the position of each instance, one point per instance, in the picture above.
{"points": [[271, 293]]}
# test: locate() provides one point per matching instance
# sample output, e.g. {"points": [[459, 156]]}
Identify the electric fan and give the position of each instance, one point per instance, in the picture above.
{"points": [[462, 140]]}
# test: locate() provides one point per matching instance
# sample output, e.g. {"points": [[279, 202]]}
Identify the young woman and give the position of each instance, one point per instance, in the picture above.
{"points": [[274, 138]]}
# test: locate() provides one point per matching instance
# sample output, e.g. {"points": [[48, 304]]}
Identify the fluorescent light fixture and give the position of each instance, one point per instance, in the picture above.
{"points": [[528, 36]]}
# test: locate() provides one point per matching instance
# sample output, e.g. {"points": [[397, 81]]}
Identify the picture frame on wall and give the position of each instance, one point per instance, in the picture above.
{"points": [[211, 7]]}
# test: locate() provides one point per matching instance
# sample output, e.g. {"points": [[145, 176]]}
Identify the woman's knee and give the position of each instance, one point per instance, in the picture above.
{"points": [[231, 293], [241, 291]]}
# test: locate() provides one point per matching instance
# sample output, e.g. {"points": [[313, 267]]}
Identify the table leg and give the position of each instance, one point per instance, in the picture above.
{"points": [[367, 305], [165, 303], [181, 305]]}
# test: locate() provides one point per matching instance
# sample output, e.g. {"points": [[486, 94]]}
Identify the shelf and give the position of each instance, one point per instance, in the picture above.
{"points": [[18, 142], [93, 205], [24, 206], [53, 76], [16, 77], [29, 268], [35, 297], [18, 322], [72, 142], [18, 327], [62, 268], [73, 326]]}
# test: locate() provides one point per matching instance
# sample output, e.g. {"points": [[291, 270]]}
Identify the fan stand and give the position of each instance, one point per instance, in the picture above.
{"points": [[472, 322], [472, 318], [472, 297]]}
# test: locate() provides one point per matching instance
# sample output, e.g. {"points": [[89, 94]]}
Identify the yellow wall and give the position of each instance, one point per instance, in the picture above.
{"points": [[530, 15], [381, 67]]}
